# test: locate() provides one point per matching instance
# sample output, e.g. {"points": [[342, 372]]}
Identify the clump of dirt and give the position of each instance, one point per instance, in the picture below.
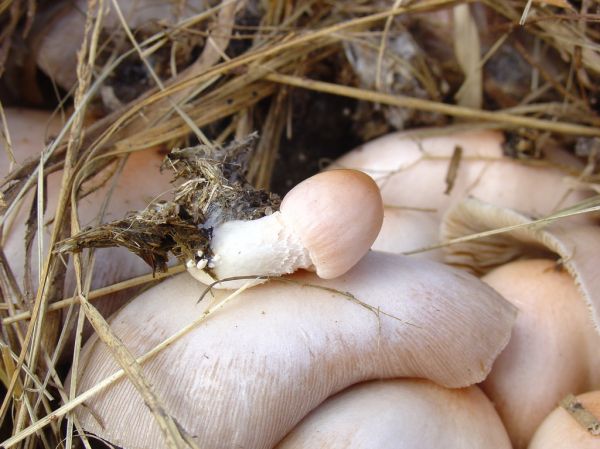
{"points": [[212, 190]]}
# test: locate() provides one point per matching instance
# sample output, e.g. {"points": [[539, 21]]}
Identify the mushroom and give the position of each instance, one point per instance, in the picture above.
{"points": [[553, 349], [421, 177], [249, 373], [561, 429], [60, 39], [28, 130], [401, 414], [325, 224]]}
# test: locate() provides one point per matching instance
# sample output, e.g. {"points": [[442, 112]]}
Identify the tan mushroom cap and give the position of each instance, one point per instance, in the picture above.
{"points": [[252, 371], [551, 331], [337, 215], [560, 430], [577, 244], [547, 356], [401, 414]]}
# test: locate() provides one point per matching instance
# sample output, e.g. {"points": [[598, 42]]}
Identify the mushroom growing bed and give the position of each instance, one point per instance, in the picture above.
{"points": [[259, 225]]}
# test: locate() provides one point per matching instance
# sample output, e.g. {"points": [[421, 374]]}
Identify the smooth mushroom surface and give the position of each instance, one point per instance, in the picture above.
{"points": [[421, 177], [560, 430], [249, 373], [553, 339], [401, 414]]}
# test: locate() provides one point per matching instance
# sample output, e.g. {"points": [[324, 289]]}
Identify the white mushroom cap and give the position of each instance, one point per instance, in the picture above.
{"points": [[412, 171], [326, 224], [401, 414], [248, 374], [560, 430]]}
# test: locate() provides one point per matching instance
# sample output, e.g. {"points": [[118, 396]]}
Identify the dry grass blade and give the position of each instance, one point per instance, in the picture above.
{"points": [[500, 118], [99, 293], [580, 414], [467, 48], [175, 436], [586, 207]]}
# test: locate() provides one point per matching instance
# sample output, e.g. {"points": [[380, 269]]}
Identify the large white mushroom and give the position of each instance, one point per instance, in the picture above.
{"points": [[421, 177], [248, 374], [401, 414]]}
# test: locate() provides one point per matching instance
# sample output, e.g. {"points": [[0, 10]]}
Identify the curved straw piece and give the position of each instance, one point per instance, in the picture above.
{"points": [[578, 245]]}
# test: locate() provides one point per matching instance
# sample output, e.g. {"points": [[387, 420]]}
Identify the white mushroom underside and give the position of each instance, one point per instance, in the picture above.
{"points": [[263, 247]]}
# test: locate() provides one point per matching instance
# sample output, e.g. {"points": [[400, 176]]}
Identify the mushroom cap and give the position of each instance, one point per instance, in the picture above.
{"points": [[575, 243], [249, 373], [549, 342], [337, 215], [560, 430], [401, 414]]}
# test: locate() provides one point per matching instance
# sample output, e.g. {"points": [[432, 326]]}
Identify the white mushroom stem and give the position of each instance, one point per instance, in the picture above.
{"points": [[578, 430], [326, 224], [253, 370], [401, 414], [265, 246]]}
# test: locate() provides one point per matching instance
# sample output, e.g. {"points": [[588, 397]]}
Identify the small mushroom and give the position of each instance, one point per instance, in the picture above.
{"points": [[422, 174], [249, 373], [401, 414], [325, 224], [574, 425], [558, 302]]}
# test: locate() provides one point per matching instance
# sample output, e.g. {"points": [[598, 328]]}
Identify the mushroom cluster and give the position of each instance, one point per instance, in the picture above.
{"points": [[332, 354], [436, 287]]}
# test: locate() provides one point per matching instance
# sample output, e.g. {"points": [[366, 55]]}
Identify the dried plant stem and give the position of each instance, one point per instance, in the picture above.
{"points": [[580, 414], [104, 291], [503, 119], [586, 207]]}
